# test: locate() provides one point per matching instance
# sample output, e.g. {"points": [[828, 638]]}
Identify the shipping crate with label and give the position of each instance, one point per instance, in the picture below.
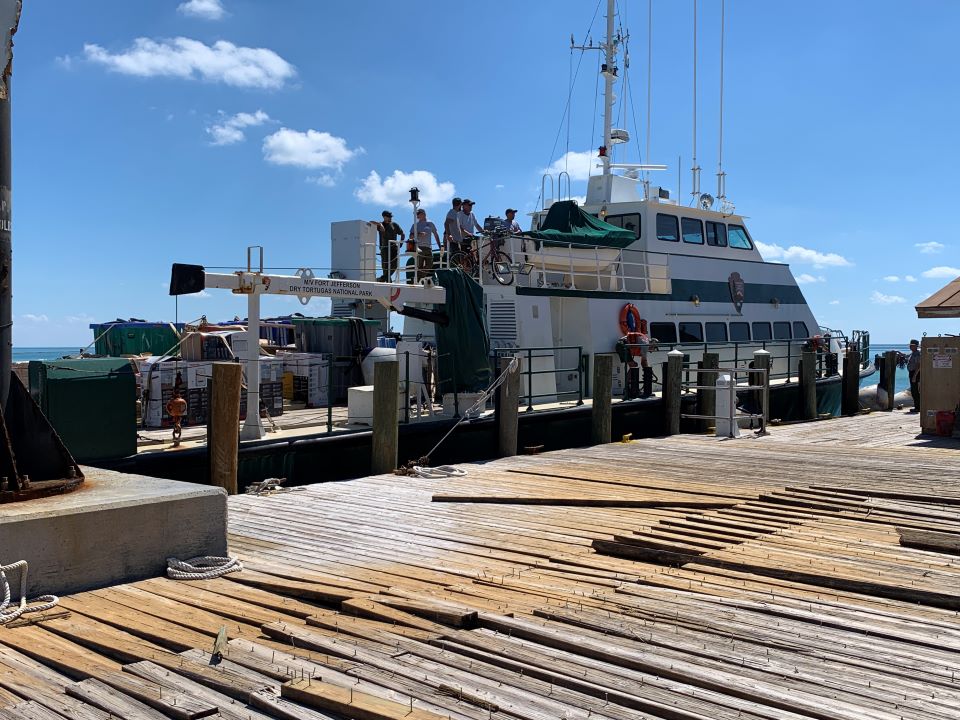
{"points": [[939, 379]]}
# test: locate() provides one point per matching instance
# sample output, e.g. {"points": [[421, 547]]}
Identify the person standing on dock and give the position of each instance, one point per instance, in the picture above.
{"points": [[421, 231], [388, 231], [913, 369]]}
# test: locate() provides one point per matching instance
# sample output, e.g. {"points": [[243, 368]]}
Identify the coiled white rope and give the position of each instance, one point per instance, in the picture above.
{"points": [[205, 567], [8, 614], [437, 473]]}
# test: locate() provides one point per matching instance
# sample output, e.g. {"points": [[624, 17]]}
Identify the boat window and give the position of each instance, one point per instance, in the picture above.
{"points": [[665, 332], [692, 230], [800, 330], [761, 331], [667, 228], [739, 238], [630, 221], [691, 332], [716, 332], [716, 234], [740, 331], [781, 331]]}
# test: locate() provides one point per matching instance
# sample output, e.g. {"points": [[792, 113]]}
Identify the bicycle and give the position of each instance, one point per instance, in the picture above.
{"points": [[496, 259]]}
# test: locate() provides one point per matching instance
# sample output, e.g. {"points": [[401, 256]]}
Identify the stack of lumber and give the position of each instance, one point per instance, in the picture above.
{"points": [[681, 578]]}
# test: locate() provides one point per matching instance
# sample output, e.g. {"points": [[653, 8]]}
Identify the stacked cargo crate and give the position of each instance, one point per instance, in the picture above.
{"points": [[311, 372]]}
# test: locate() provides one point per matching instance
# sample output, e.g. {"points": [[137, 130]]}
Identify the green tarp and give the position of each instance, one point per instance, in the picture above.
{"points": [[462, 346], [134, 338], [567, 223]]}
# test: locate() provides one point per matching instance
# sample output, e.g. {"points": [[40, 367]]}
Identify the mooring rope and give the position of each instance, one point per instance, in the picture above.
{"points": [[7, 615], [205, 567]]}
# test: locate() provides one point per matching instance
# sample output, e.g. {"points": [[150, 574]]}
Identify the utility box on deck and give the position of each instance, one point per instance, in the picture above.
{"points": [[939, 379], [91, 403]]}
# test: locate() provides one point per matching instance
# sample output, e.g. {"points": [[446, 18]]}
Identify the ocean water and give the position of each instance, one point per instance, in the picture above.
{"points": [[902, 381], [23, 354]]}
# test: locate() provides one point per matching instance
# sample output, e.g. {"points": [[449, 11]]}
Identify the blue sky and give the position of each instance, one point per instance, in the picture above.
{"points": [[153, 132]]}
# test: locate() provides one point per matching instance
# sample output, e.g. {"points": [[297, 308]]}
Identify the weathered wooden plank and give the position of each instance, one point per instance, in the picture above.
{"points": [[352, 704]]}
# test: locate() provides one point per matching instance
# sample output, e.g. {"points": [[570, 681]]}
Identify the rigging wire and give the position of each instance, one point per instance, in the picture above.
{"points": [[721, 190], [695, 171], [566, 111], [649, 78]]}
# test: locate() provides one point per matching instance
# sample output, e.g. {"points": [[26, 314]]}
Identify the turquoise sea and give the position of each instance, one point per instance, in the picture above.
{"points": [[903, 380]]}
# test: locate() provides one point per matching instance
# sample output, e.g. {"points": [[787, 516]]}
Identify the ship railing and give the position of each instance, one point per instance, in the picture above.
{"points": [[757, 382], [541, 381], [785, 356], [579, 266]]}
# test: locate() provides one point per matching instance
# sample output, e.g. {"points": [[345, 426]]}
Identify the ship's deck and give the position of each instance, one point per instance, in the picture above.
{"points": [[810, 573]]}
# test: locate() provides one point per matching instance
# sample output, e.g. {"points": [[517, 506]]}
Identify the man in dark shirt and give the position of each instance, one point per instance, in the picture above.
{"points": [[388, 231]]}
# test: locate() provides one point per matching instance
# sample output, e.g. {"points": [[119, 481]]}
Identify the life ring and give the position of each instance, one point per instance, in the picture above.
{"points": [[630, 320]]}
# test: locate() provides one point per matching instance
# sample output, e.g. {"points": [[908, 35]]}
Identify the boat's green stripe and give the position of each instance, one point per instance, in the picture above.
{"points": [[683, 290]]}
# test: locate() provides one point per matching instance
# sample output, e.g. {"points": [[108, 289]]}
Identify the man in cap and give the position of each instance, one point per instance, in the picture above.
{"points": [[913, 370], [452, 237], [510, 224], [421, 231], [468, 222], [388, 231]]}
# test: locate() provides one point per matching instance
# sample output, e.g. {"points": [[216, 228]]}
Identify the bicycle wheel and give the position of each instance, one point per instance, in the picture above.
{"points": [[462, 260], [500, 258]]}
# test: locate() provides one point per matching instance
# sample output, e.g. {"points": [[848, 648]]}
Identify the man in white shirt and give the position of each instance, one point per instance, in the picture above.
{"points": [[468, 223], [421, 231], [452, 237], [510, 224]]}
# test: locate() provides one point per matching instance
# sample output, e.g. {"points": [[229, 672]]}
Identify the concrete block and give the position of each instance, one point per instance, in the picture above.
{"points": [[117, 528]]}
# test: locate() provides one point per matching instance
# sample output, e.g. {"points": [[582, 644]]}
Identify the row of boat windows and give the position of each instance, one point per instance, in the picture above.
{"points": [[694, 332], [694, 231]]}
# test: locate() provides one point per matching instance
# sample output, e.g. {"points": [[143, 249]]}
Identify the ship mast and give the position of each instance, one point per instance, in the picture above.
{"points": [[609, 71]]}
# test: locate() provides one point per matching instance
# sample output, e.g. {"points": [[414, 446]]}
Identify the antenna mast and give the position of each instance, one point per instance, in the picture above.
{"points": [[695, 169], [721, 175]]}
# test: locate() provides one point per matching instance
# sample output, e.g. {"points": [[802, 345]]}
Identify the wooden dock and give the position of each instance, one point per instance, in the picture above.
{"points": [[813, 573]]}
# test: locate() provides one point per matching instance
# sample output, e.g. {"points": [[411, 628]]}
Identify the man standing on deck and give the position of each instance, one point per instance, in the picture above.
{"points": [[452, 238], [468, 223], [510, 224], [388, 231], [421, 231], [913, 370]]}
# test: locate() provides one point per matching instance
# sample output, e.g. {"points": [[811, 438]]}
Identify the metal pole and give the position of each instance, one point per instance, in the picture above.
{"points": [[10, 15], [529, 380], [253, 426]]}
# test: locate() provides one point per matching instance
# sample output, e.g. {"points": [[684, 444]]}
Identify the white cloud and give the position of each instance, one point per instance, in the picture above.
{"points": [[325, 180], [806, 278], [498, 187], [578, 164], [311, 149], [191, 60], [929, 248], [205, 9], [892, 278], [394, 190], [941, 271], [798, 254], [80, 319], [834, 302], [909, 278], [878, 298], [30, 317], [230, 131]]}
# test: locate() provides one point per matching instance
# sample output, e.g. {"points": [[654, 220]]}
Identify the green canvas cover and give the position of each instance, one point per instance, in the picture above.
{"points": [[567, 223], [462, 346], [116, 339]]}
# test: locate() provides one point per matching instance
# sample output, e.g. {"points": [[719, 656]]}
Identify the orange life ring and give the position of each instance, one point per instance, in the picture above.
{"points": [[628, 312]]}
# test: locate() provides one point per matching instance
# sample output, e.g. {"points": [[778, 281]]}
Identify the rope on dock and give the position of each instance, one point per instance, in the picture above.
{"points": [[7, 615], [205, 567]]}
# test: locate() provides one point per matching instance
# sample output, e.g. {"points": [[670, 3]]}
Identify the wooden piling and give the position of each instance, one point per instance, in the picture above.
{"points": [[808, 384], [707, 396], [890, 376], [672, 388], [761, 362], [386, 403], [601, 415], [506, 408], [224, 425], [850, 394]]}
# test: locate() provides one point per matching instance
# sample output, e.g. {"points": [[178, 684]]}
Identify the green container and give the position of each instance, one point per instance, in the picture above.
{"points": [[91, 404], [134, 338]]}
